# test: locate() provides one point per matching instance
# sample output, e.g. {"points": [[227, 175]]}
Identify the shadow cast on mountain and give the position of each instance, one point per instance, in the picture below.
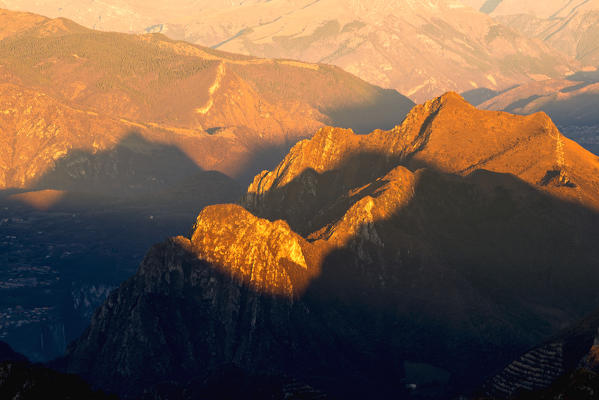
{"points": [[574, 110], [263, 158], [585, 76], [472, 271], [518, 104], [475, 274], [333, 198], [134, 166], [513, 244]]}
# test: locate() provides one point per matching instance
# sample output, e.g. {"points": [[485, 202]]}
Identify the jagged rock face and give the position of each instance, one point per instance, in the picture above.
{"points": [[445, 134], [246, 247], [185, 318], [436, 242]]}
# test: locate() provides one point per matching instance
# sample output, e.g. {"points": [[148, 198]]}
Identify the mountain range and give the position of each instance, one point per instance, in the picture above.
{"points": [[448, 244], [421, 48], [569, 26]]}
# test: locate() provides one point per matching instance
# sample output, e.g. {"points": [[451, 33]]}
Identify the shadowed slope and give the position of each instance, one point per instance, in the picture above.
{"points": [[21, 380], [446, 134]]}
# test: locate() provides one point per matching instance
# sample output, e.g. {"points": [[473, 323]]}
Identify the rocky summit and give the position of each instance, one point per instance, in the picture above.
{"points": [[451, 243]]}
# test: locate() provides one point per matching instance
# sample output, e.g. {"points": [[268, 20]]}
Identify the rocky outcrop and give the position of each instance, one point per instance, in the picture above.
{"points": [[433, 243], [445, 134], [247, 247], [185, 318]]}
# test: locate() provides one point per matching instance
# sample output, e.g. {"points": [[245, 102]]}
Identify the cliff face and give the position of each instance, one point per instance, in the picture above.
{"points": [[454, 240], [246, 247], [181, 319]]}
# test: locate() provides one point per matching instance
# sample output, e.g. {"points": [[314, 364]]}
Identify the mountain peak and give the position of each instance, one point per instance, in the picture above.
{"points": [[452, 96], [446, 134]]}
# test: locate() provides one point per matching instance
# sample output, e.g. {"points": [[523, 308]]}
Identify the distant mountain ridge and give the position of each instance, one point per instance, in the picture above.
{"points": [[445, 242], [420, 48], [234, 114]]}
